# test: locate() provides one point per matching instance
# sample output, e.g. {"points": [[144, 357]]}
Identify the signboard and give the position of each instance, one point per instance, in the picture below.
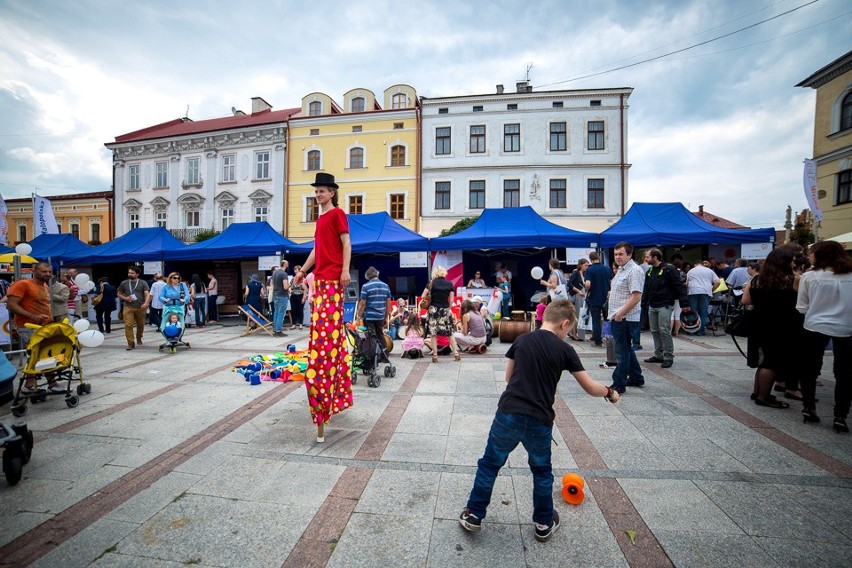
{"points": [[755, 251], [452, 261], [412, 259], [268, 262], [152, 267], [573, 255]]}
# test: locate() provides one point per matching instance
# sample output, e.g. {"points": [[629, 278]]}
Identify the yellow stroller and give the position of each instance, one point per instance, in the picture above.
{"points": [[53, 355]]}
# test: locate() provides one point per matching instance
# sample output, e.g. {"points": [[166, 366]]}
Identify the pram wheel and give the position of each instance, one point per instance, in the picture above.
{"points": [[13, 463], [354, 378], [374, 381], [19, 410], [72, 401]]}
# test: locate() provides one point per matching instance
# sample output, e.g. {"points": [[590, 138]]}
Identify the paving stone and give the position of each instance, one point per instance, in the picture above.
{"points": [[417, 448], [454, 491], [153, 499], [712, 550], [372, 539], [87, 546], [413, 492], [494, 545]]}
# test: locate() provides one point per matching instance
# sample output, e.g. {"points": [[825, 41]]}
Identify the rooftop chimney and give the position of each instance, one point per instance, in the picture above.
{"points": [[499, 89], [259, 105], [524, 87], [701, 210]]}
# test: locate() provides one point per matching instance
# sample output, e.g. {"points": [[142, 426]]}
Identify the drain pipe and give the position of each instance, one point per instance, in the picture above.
{"points": [[623, 184]]}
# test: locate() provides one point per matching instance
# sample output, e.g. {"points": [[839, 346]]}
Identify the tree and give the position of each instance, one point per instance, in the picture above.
{"points": [[459, 226], [802, 235], [205, 234]]}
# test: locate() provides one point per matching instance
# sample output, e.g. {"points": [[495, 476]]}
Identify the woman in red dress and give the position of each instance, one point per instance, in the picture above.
{"points": [[328, 378]]}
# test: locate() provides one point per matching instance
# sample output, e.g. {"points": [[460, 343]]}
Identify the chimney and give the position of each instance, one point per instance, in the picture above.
{"points": [[701, 211], [259, 105], [499, 89]]}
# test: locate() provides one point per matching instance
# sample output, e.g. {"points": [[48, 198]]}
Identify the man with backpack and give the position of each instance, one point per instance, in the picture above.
{"points": [[663, 287]]}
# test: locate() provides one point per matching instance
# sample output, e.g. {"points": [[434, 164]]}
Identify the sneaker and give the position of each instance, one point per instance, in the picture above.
{"points": [[139, 340], [130, 348], [58, 388], [469, 521], [619, 390], [667, 364], [28, 390], [544, 532], [637, 347], [279, 334], [653, 359]]}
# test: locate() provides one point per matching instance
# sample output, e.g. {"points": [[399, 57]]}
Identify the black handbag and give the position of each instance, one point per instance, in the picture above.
{"points": [[740, 324]]}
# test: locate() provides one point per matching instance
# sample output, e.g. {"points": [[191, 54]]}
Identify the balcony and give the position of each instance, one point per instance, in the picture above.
{"points": [[193, 185], [188, 235]]}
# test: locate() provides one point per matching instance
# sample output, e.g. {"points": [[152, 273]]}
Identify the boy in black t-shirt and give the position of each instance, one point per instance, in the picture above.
{"points": [[525, 416]]}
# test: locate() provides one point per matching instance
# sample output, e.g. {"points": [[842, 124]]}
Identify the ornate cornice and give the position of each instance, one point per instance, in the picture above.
{"points": [[209, 144]]}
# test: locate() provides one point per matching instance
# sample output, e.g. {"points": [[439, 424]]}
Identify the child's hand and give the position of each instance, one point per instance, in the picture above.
{"points": [[613, 396]]}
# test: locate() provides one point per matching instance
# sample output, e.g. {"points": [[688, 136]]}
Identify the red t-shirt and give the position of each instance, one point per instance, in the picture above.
{"points": [[328, 250]]}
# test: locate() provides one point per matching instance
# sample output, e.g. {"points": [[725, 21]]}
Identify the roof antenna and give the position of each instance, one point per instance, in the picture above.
{"points": [[186, 116], [529, 67]]}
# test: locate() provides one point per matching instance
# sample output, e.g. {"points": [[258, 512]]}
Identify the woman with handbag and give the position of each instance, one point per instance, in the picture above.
{"points": [[555, 283], [440, 321], [105, 305]]}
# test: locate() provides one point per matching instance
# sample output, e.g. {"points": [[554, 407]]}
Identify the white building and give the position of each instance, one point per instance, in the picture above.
{"points": [[562, 152], [189, 176]]}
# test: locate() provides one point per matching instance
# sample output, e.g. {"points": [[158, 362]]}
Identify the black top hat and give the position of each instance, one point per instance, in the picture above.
{"points": [[325, 179]]}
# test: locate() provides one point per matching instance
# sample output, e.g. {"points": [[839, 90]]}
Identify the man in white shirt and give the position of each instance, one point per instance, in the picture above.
{"points": [[700, 283], [156, 315], [625, 298]]}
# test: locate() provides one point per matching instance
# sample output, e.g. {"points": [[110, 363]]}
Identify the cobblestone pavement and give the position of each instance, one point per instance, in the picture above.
{"points": [[174, 460]]}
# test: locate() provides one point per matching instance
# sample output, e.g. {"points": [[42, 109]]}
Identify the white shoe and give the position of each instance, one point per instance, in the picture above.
{"points": [[320, 439], [58, 388]]}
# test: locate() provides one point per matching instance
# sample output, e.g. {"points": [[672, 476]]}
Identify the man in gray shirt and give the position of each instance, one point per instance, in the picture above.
{"points": [[280, 298]]}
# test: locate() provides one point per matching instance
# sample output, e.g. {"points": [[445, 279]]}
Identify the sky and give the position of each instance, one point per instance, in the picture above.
{"points": [[715, 118]]}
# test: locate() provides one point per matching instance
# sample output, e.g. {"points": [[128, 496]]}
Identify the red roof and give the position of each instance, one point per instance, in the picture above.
{"points": [[720, 222], [185, 126]]}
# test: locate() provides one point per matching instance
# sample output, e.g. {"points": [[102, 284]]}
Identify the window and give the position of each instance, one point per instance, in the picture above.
{"points": [[356, 158], [558, 136], [596, 135], [133, 223], [193, 219], [442, 195], [313, 160], [134, 177], [262, 169], [228, 167], [443, 111], [398, 125], [192, 171], [511, 137], [512, 106], [558, 194], [477, 108], [442, 140], [476, 198], [75, 230], [398, 155], [595, 194], [844, 187], [227, 217], [314, 131], [558, 104], [358, 104], [595, 103], [261, 212], [315, 108], [162, 219], [399, 100], [356, 129], [162, 174], [397, 206], [95, 231], [477, 139], [356, 204], [511, 193], [311, 209], [846, 113], [22, 233]]}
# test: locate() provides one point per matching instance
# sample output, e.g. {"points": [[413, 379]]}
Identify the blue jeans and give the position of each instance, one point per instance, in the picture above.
{"points": [[507, 431], [200, 311], [281, 304], [596, 313], [700, 304], [628, 368]]}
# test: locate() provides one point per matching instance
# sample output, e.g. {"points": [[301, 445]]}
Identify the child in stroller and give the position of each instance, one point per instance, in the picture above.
{"points": [[172, 326], [369, 352]]}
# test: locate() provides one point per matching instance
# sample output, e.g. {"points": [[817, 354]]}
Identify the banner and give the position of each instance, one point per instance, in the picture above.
{"points": [[810, 182], [43, 220], [452, 261], [4, 223]]}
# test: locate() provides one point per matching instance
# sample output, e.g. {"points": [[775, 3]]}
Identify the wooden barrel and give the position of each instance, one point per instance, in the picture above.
{"points": [[510, 330], [388, 341], [519, 315], [495, 324]]}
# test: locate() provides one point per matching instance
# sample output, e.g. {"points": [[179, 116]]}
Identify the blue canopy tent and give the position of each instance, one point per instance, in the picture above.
{"points": [[57, 247], [239, 240], [515, 228], [662, 224], [377, 233], [149, 243]]}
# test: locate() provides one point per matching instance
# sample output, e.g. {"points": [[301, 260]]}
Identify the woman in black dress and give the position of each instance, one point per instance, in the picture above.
{"points": [[103, 311]]}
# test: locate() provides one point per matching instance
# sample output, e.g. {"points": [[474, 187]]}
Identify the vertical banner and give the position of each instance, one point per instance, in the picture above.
{"points": [[810, 183], [452, 261], [4, 223], [43, 220]]}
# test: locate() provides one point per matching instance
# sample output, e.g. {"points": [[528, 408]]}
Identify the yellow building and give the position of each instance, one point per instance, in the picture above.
{"points": [[87, 216], [372, 152], [833, 145]]}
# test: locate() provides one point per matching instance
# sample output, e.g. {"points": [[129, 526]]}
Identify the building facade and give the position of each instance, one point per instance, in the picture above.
{"points": [[87, 216], [833, 145], [562, 152], [192, 176], [370, 148]]}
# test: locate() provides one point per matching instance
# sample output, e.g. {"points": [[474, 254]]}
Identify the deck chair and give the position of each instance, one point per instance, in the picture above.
{"points": [[255, 317]]}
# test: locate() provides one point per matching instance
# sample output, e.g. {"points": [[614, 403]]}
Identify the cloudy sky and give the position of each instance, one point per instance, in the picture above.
{"points": [[719, 124]]}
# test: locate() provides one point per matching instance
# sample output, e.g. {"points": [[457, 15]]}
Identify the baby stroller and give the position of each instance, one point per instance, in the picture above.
{"points": [[369, 352], [53, 354], [173, 334], [15, 440]]}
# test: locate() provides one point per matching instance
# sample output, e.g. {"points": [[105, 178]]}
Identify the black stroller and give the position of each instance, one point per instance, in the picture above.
{"points": [[15, 439], [368, 353]]}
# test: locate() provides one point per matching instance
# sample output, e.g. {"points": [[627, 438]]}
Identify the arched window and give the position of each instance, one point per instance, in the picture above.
{"points": [[399, 100], [398, 155], [358, 104], [356, 158], [315, 108], [313, 160], [846, 112]]}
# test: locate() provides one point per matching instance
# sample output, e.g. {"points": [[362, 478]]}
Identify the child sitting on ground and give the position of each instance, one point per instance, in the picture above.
{"points": [[525, 416], [413, 345], [172, 327]]}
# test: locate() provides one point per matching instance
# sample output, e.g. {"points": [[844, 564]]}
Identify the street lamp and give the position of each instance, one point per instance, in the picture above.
{"points": [[23, 249]]}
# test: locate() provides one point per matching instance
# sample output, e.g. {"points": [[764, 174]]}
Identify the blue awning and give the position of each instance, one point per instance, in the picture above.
{"points": [[239, 240]]}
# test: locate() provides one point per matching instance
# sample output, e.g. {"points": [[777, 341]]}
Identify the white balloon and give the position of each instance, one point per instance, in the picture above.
{"points": [[23, 249], [537, 272], [90, 338], [82, 280], [82, 325], [90, 286]]}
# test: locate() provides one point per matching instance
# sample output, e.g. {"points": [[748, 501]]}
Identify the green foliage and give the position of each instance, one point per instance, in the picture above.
{"points": [[802, 235], [205, 234], [458, 227]]}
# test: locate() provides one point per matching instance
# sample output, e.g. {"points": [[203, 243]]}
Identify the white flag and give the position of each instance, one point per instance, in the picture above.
{"points": [[4, 223], [43, 219], [810, 183]]}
